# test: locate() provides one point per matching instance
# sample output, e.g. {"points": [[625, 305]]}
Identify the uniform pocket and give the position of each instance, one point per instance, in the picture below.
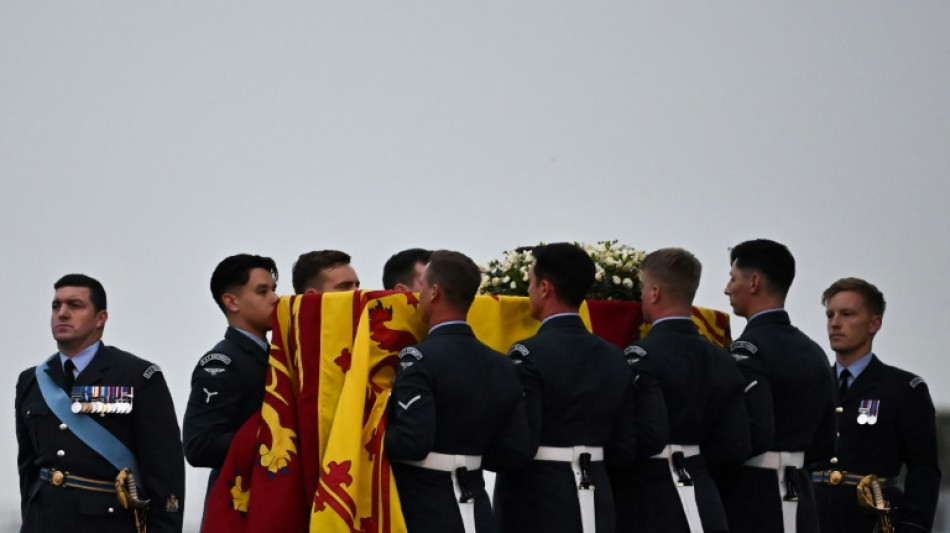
{"points": [[92, 503], [36, 415]]}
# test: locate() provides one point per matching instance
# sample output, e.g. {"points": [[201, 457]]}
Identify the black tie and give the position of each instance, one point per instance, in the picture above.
{"points": [[68, 368], [843, 383]]}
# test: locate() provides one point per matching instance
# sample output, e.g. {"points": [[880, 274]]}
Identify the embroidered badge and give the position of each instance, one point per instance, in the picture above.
{"points": [[744, 345], [739, 357], [215, 357], [214, 371], [635, 350], [406, 405], [151, 370], [517, 353], [916, 381], [171, 504], [210, 394]]}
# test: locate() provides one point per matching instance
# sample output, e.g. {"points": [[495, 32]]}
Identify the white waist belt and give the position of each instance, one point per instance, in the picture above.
{"points": [[585, 495], [688, 450], [450, 463], [779, 461], [686, 492], [569, 454]]}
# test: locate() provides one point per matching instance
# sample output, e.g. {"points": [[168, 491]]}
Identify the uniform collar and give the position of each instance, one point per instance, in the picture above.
{"points": [[561, 320], [664, 319], [257, 340], [452, 327], [247, 343], [770, 316], [83, 358], [856, 367], [677, 323]]}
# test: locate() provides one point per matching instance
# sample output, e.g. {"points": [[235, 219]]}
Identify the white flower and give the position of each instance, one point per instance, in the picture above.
{"points": [[599, 276], [616, 280], [514, 285], [628, 283], [495, 282], [506, 265], [525, 277], [506, 279]]}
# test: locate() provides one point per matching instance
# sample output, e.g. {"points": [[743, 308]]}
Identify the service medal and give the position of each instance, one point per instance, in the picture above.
{"points": [[875, 407], [863, 412]]}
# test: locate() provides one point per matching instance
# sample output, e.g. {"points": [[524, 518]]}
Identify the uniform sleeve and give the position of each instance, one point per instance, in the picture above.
{"points": [[758, 400], [822, 446], [530, 379], [26, 454], [622, 446], [159, 452], [513, 447], [209, 417], [918, 445], [728, 440], [410, 431], [652, 420]]}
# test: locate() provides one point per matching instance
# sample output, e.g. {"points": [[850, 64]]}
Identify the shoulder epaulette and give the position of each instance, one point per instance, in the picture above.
{"points": [[151, 371], [214, 357], [916, 381]]}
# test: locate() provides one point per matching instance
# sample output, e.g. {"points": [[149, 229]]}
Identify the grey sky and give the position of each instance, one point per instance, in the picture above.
{"points": [[141, 143]]}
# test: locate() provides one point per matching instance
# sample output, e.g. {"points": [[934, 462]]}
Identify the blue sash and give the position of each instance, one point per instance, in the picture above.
{"points": [[88, 430]]}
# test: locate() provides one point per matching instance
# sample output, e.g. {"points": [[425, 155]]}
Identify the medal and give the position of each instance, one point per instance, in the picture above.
{"points": [[875, 407], [863, 411]]}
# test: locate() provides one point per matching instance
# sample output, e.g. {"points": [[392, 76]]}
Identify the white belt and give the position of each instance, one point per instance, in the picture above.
{"points": [[585, 495], [686, 492], [778, 461], [450, 463]]}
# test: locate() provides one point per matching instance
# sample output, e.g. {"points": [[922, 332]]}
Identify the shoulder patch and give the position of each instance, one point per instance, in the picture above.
{"points": [[150, 371], [739, 357], [518, 352], [214, 370], [635, 350], [916, 381], [744, 345], [408, 356], [214, 357]]}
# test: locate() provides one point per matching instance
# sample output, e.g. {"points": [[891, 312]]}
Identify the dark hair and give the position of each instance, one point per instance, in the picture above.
{"points": [[771, 259], [676, 269], [568, 268], [457, 276], [234, 271], [873, 297], [97, 293], [400, 268], [310, 265]]}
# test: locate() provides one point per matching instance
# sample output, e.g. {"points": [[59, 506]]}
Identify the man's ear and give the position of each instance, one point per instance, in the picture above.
{"points": [[101, 318], [402, 287], [756, 283], [230, 302]]}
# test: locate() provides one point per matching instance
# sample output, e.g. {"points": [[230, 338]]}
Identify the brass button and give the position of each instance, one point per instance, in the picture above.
{"points": [[60, 453], [62, 427], [111, 510], [57, 478], [834, 460], [835, 477], [839, 410]]}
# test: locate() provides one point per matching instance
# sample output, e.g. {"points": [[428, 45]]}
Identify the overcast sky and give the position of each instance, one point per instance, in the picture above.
{"points": [[141, 143]]}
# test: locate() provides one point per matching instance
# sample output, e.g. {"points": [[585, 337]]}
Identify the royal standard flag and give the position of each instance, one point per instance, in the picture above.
{"points": [[312, 459]]}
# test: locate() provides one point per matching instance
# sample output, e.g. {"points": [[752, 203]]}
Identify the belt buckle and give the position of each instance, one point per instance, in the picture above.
{"points": [[57, 478], [835, 477]]}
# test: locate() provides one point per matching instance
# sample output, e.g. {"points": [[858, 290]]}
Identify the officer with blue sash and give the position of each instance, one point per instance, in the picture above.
{"points": [[99, 448]]}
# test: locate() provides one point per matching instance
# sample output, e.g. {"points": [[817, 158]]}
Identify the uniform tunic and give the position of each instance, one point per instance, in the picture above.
{"points": [[453, 395], [579, 392], [703, 391], [227, 387], [904, 434], [150, 432], [789, 399]]}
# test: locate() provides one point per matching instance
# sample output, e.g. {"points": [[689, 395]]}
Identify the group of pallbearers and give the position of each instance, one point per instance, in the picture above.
{"points": [[672, 434]]}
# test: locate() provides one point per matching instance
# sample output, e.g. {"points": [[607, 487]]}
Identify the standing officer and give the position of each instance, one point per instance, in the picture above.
{"points": [[227, 385], [580, 399], [70, 459], [457, 407], [885, 421], [403, 271], [672, 491], [789, 397], [324, 271]]}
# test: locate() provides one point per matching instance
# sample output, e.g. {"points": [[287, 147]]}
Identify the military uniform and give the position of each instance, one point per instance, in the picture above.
{"points": [[227, 387], [902, 434], [578, 392], [789, 399], [704, 402], [47, 446], [453, 399]]}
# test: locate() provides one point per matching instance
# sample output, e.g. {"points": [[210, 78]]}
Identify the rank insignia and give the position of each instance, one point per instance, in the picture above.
{"points": [[102, 399]]}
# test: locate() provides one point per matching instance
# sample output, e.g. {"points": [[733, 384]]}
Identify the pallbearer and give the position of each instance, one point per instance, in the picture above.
{"points": [[885, 421], [580, 400], [788, 395], [457, 407], [672, 491]]}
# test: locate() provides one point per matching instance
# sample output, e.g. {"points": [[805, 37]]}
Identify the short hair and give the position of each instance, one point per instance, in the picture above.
{"points": [[97, 293], [770, 258], [457, 275], [400, 268], [676, 270], [235, 271], [873, 297], [310, 265], [568, 268]]}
